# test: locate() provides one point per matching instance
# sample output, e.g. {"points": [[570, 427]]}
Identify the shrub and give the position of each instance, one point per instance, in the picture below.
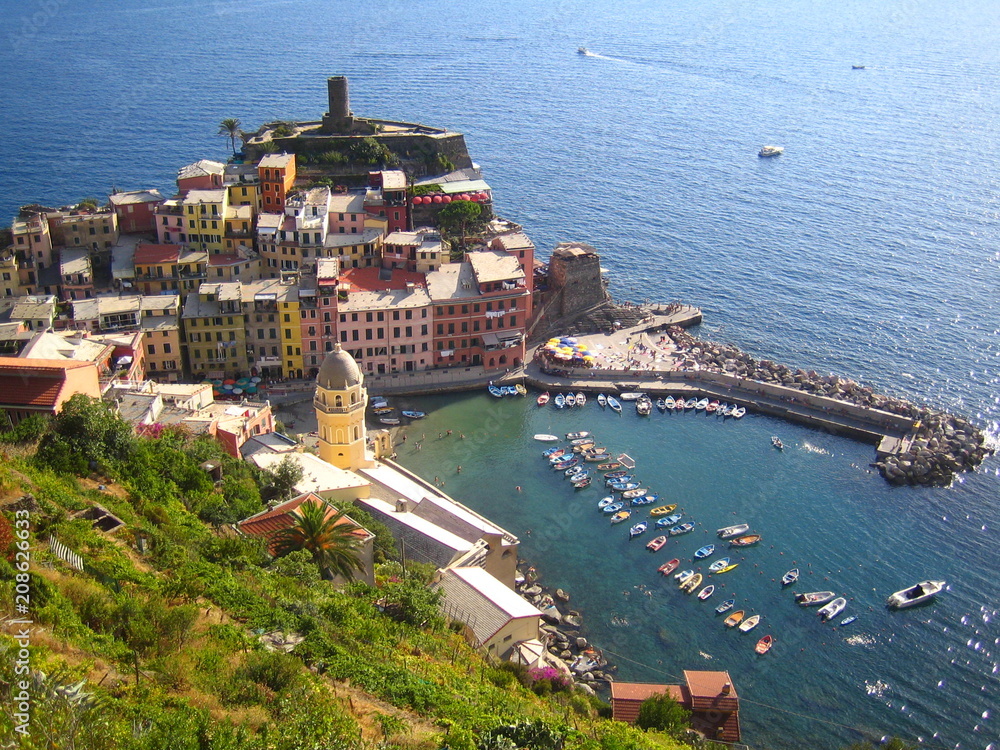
{"points": [[275, 671], [665, 714]]}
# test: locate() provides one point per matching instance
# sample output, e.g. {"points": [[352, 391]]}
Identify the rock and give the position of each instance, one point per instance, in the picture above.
{"points": [[566, 655], [534, 590], [585, 688], [581, 643], [562, 595], [574, 621]]}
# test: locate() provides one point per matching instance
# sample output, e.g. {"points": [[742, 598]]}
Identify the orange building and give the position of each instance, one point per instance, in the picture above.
{"points": [[277, 175], [709, 696], [42, 386]]}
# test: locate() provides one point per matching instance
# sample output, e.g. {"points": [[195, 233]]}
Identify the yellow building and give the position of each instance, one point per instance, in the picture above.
{"points": [[239, 227], [273, 328], [291, 331], [205, 214], [340, 403], [14, 280], [94, 230], [214, 332]]}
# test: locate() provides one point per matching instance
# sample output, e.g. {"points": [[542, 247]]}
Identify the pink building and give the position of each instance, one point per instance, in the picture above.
{"points": [[136, 209], [347, 213], [386, 198], [202, 175], [168, 220]]}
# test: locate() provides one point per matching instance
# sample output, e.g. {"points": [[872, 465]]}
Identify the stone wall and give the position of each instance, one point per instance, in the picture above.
{"points": [[575, 278]]}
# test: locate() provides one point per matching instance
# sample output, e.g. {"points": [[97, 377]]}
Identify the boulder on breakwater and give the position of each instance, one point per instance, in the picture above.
{"points": [[940, 444]]}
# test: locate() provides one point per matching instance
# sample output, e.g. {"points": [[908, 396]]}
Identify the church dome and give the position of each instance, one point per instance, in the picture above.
{"points": [[339, 371]]}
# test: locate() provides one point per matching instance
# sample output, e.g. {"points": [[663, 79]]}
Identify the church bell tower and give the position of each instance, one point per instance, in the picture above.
{"points": [[340, 403]]}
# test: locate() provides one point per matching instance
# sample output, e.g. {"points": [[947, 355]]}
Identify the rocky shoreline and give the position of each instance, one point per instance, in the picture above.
{"points": [[939, 446], [564, 645]]}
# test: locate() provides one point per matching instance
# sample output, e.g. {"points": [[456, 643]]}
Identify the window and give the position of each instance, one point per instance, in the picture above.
{"points": [[166, 348], [151, 349]]}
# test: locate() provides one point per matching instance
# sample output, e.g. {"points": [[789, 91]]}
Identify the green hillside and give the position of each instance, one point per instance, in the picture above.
{"points": [[165, 648]]}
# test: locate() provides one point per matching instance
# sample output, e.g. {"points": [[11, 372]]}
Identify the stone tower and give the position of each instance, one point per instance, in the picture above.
{"points": [[339, 117], [340, 403]]}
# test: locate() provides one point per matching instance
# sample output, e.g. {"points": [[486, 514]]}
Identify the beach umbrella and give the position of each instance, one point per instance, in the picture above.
{"points": [[446, 199], [255, 379], [250, 389], [237, 391], [229, 382], [436, 199]]}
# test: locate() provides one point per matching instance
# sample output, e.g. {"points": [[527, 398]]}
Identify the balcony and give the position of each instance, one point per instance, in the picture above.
{"points": [[268, 361]]}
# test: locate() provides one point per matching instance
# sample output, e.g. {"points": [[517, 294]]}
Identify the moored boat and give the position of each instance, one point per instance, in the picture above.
{"points": [[684, 528], [690, 403], [602, 400], [669, 402], [719, 564], [701, 404], [645, 499], [570, 400], [543, 398], [657, 544], [580, 484], [559, 401], [767, 151], [639, 528], [616, 475], [739, 411], [712, 407], [745, 541], [577, 435], [620, 486], [555, 450], [921, 592], [669, 567], [683, 575], [643, 407], [390, 421], [630, 396], [679, 404], [610, 466], [410, 414], [726, 569], [848, 620], [630, 494], [832, 609], [731, 531], [734, 619], [614, 405], [622, 515], [545, 438], [494, 391], [725, 606], [691, 583], [661, 404], [662, 510], [764, 644], [813, 598], [520, 389], [613, 508], [790, 577], [704, 552], [706, 592], [671, 520], [604, 502], [749, 624], [563, 465], [581, 399]]}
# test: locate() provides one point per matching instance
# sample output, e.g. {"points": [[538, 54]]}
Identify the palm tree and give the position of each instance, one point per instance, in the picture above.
{"points": [[230, 127], [331, 540]]}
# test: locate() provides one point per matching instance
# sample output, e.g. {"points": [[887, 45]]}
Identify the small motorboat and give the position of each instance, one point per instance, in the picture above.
{"points": [[543, 398], [719, 564], [390, 421], [813, 598], [683, 575], [630, 396], [582, 441], [734, 619], [494, 391], [604, 502], [745, 541], [580, 484], [613, 508], [691, 583], [378, 402], [561, 455], [570, 400], [684, 528], [602, 400], [610, 466], [639, 528], [671, 520], [657, 544], [563, 465], [922, 592], [749, 624], [622, 515], [776, 442], [832, 609], [661, 404], [731, 531], [662, 510], [383, 410], [615, 474], [679, 404], [559, 401], [848, 620], [739, 411], [669, 567], [701, 405], [790, 577], [581, 399], [726, 569], [706, 592], [669, 403], [582, 51], [643, 407], [690, 403], [614, 405], [767, 151], [704, 552], [632, 494], [545, 438], [554, 451], [619, 486], [725, 606], [764, 644], [575, 471], [645, 500], [413, 414], [577, 435], [857, 67], [712, 407]]}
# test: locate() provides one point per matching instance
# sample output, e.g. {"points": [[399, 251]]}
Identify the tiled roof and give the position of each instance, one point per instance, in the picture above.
{"points": [[135, 196], [33, 383], [640, 691], [269, 522], [200, 168], [371, 279], [709, 684], [278, 161], [147, 253]]}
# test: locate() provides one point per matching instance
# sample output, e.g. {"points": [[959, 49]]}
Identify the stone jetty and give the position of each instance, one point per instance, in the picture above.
{"points": [[937, 447]]}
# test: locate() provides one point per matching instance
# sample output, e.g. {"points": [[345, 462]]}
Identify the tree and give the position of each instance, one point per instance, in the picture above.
{"points": [[85, 431], [458, 215], [331, 539], [230, 127], [282, 480], [663, 713]]}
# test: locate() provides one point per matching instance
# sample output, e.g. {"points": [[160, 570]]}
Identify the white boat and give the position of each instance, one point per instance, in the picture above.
{"points": [[570, 400], [630, 396], [922, 592], [602, 400], [410, 414], [771, 151], [581, 399], [731, 531], [739, 411], [832, 609], [749, 624], [700, 405], [582, 51], [391, 421], [614, 405], [643, 407], [544, 438]]}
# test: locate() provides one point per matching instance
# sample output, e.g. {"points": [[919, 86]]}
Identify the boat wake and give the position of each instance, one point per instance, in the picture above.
{"points": [[878, 688], [704, 655], [816, 449], [860, 640]]}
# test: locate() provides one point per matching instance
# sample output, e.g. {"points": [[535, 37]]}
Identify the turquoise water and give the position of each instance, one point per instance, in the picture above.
{"points": [[870, 249]]}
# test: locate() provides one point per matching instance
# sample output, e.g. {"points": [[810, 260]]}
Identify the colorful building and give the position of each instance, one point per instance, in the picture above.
{"points": [[386, 198], [204, 174], [168, 218], [33, 239], [273, 328], [205, 215], [76, 278], [277, 175], [40, 386], [347, 213], [136, 209], [421, 250], [214, 332], [84, 228], [169, 268]]}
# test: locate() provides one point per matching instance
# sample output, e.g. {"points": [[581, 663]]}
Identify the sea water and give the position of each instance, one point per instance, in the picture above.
{"points": [[868, 249]]}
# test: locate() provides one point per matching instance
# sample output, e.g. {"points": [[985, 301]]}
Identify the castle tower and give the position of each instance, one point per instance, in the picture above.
{"points": [[338, 118], [340, 403]]}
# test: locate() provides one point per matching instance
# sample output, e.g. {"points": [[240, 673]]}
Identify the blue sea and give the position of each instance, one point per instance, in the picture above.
{"points": [[871, 248]]}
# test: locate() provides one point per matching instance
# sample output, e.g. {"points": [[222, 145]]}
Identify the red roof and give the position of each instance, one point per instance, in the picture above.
{"points": [[268, 523], [156, 253], [709, 684], [225, 259], [34, 383], [367, 279]]}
